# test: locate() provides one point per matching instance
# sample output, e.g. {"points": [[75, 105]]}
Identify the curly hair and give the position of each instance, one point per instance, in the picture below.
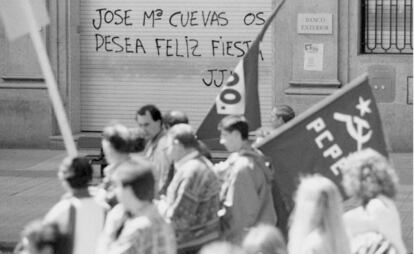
{"points": [[368, 174]]}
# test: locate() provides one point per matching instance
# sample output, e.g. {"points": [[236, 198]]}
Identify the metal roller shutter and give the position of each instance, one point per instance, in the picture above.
{"points": [[115, 84]]}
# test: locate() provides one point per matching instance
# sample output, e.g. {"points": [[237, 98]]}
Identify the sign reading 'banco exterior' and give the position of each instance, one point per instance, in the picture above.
{"points": [[314, 23]]}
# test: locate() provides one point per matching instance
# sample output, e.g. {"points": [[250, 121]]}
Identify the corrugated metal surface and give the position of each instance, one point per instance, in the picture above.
{"points": [[115, 84]]}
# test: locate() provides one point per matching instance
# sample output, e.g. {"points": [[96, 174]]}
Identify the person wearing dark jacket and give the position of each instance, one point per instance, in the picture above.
{"points": [[246, 191]]}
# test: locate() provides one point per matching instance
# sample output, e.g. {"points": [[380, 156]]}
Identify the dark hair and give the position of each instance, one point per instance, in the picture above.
{"points": [[152, 109], [235, 122], [119, 137], [174, 117], [203, 150], [41, 235], [77, 172], [285, 112], [139, 176], [184, 134], [138, 141]]}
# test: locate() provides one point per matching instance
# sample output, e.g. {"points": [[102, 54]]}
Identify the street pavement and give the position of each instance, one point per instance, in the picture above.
{"points": [[29, 187]]}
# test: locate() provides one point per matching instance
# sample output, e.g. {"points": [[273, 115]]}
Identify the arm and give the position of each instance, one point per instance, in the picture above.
{"points": [[59, 214], [242, 199]]}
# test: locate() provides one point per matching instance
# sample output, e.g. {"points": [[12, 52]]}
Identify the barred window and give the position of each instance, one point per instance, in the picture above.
{"points": [[386, 27]]}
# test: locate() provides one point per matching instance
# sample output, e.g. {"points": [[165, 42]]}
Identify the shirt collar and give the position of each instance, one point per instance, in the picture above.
{"points": [[157, 136], [152, 143]]}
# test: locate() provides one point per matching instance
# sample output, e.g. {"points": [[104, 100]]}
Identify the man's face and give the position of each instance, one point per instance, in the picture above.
{"points": [[230, 140], [149, 127]]}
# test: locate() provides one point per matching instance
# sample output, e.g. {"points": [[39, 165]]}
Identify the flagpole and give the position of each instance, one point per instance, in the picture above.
{"points": [[268, 22], [50, 80]]}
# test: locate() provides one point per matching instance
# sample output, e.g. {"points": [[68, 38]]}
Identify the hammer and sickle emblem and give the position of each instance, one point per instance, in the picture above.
{"points": [[355, 127]]}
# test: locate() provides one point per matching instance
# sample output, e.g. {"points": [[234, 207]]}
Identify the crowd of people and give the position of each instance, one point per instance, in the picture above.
{"points": [[161, 194]]}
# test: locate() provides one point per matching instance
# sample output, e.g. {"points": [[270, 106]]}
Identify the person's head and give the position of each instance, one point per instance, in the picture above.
{"points": [[134, 183], [116, 142], [367, 174], [138, 140], [264, 239], [149, 119], [281, 114], [181, 141], [39, 238], [318, 208], [76, 172], [221, 247], [174, 117], [234, 131]]}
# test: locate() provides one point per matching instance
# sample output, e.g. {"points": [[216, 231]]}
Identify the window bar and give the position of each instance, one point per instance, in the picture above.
{"points": [[396, 29], [397, 46], [411, 24], [367, 31], [405, 22], [382, 26], [375, 21], [383, 33], [362, 34], [384, 41]]}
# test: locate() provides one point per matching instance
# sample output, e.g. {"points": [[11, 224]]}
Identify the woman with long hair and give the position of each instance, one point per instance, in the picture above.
{"points": [[317, 225], [369, 178]]}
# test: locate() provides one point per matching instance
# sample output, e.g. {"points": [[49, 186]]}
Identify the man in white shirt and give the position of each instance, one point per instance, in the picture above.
{"points": [[78, 214], [149, 120]]}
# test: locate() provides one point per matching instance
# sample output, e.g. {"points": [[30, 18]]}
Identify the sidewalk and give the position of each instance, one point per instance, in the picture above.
{"points": [[29, 187]]}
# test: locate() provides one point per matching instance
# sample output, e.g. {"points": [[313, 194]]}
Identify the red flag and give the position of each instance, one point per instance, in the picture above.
{"points": [[319, 139], [239, 96]]}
